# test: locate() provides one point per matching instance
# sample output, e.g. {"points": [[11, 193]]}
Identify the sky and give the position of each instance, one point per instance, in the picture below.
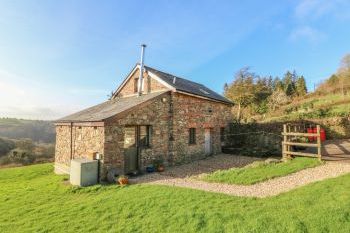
{"points": [[58, 57]]}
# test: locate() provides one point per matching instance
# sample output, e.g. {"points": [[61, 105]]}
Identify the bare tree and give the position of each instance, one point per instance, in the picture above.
{"points": [[242, 90]]}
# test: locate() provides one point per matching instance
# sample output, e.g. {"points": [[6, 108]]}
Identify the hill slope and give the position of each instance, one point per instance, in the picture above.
{"points": [[38, 131], [313, 106]]}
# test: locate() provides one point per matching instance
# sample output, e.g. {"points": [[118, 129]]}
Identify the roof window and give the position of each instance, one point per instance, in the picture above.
{"points": [[203, 91]]}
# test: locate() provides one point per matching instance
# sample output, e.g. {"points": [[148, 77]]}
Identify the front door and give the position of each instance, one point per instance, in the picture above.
{"points": [[207, 142], [130, 149]]}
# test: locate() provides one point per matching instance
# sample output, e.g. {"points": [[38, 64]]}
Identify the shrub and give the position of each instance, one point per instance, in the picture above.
{"points": [[21, 156], [6, 146]]}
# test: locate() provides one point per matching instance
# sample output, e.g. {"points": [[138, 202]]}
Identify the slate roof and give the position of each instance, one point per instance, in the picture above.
{"points": [[187, 86], [109, 108]]}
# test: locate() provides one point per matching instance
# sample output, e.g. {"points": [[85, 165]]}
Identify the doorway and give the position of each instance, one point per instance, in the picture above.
{"points": [[207, 142], [135, 139], [130, 149]]}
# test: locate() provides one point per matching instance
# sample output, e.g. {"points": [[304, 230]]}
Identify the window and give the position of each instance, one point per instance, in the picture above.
{"points": [[192, 136], [136, 84], [222, 134], [145, 132]]}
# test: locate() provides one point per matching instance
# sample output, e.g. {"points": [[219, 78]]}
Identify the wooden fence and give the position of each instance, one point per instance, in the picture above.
{"points": [[291, 133]]}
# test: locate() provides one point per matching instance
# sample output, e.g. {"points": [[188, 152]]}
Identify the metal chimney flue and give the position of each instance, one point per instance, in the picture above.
{"points": [[140, 83]]}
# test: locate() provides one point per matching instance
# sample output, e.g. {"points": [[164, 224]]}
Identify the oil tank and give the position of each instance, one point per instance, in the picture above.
{"points": [[83, 172]]}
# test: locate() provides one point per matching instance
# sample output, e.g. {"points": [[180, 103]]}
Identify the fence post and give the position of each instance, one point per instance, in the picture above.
{"points": [[318, 142], [284, 146]]}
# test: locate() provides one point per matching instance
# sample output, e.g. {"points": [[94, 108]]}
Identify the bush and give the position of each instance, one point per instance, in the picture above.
{"points": [[5, 160], [21, 156], [6, 146]]}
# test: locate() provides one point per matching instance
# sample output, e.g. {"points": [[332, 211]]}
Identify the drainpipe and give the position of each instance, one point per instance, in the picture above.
{"points": [[140, 83], [71, 140]]}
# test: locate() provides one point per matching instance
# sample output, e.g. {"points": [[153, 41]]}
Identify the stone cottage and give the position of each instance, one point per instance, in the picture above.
{"points": [[161, 116]]}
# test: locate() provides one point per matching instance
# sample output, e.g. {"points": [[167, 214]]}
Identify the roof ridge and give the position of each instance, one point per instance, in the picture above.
{"points": [[173, 75]]}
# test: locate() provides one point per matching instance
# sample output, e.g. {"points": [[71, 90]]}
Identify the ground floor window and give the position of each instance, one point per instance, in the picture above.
{"points": [[192, 136], [222, 134], [145, 134]]}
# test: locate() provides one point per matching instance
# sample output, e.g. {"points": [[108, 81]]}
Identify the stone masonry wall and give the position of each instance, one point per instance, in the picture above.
{"points": [[62, 148], [149, 85], [193, 112], [154, 113], [86, 141]]}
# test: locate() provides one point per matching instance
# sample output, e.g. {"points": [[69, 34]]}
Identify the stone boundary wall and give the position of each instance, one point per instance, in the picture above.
{"points": [[264, 139]]}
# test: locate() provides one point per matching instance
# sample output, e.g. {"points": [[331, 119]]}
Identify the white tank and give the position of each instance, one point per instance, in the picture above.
{"points": [[83, 172]]}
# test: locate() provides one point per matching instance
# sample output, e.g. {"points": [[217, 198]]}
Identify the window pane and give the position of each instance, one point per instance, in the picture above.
{"points": [[192, 136], [136, 80], [129, 137], [144, 135]]}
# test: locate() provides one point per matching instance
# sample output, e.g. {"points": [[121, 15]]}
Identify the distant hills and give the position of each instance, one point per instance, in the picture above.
{"points": [[36, 130]]}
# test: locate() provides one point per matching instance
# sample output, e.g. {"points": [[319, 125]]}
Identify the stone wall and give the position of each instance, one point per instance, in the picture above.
{"points": [[336, 127], [149, 85], [193, 112], [63, 142], [86, 140], [154, 113]]}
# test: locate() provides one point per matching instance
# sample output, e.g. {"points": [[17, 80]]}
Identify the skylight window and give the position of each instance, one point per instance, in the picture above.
{"points": [[203, 91]]}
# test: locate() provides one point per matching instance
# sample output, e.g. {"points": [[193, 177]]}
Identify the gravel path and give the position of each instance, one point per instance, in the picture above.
{"points": [[264, 189]]}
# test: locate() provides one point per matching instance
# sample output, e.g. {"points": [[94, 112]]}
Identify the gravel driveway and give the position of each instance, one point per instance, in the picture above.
{"points": [[180, 176]]}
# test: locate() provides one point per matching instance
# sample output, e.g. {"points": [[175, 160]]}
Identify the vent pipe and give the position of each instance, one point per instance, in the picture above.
{"points": [[140, 84]]}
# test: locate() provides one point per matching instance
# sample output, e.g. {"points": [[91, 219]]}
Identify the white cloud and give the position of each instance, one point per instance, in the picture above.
{"points": [[307, 33], [315, 9]]}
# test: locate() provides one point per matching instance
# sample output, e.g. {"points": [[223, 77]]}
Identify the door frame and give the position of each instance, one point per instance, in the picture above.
{"points": [[137, 145], [210, 151]]}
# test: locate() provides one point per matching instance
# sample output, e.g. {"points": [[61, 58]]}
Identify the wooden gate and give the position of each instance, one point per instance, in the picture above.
{"points": [[291, 134]]}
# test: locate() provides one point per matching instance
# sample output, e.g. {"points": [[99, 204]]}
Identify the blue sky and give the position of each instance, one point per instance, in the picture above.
{"points": [[57, 57]]}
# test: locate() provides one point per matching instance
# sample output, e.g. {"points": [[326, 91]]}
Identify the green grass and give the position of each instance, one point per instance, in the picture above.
{"points": [[32, 199], [333, 105], [260, 172]]}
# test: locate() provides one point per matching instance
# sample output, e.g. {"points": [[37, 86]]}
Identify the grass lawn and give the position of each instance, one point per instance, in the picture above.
{"points": [[33, 199], [260, 172]]}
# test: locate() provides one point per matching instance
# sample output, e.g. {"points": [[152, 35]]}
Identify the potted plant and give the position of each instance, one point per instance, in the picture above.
{"points": [[158, 164], [150, 168], [160, 168], [123, 180]]}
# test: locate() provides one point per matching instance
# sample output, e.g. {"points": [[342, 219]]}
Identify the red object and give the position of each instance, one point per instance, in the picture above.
{"points": [[323, 135], [311, 138], [315, 131], [314, 138]]}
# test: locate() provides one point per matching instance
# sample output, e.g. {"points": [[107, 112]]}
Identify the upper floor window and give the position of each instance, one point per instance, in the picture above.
{"points": [[136, 84]]}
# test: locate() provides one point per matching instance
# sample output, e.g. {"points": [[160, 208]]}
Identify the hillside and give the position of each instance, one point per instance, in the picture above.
{"points": [[38, 131], [312, 106]]}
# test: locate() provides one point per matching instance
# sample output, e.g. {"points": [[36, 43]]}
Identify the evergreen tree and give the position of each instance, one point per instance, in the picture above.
{"points": [[289, 85], [289, 90], [301, 88], [277, 84]]}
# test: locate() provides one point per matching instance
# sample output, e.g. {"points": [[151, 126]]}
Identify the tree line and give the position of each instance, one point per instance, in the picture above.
{"points": [[254, 94], [339, 82]]}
